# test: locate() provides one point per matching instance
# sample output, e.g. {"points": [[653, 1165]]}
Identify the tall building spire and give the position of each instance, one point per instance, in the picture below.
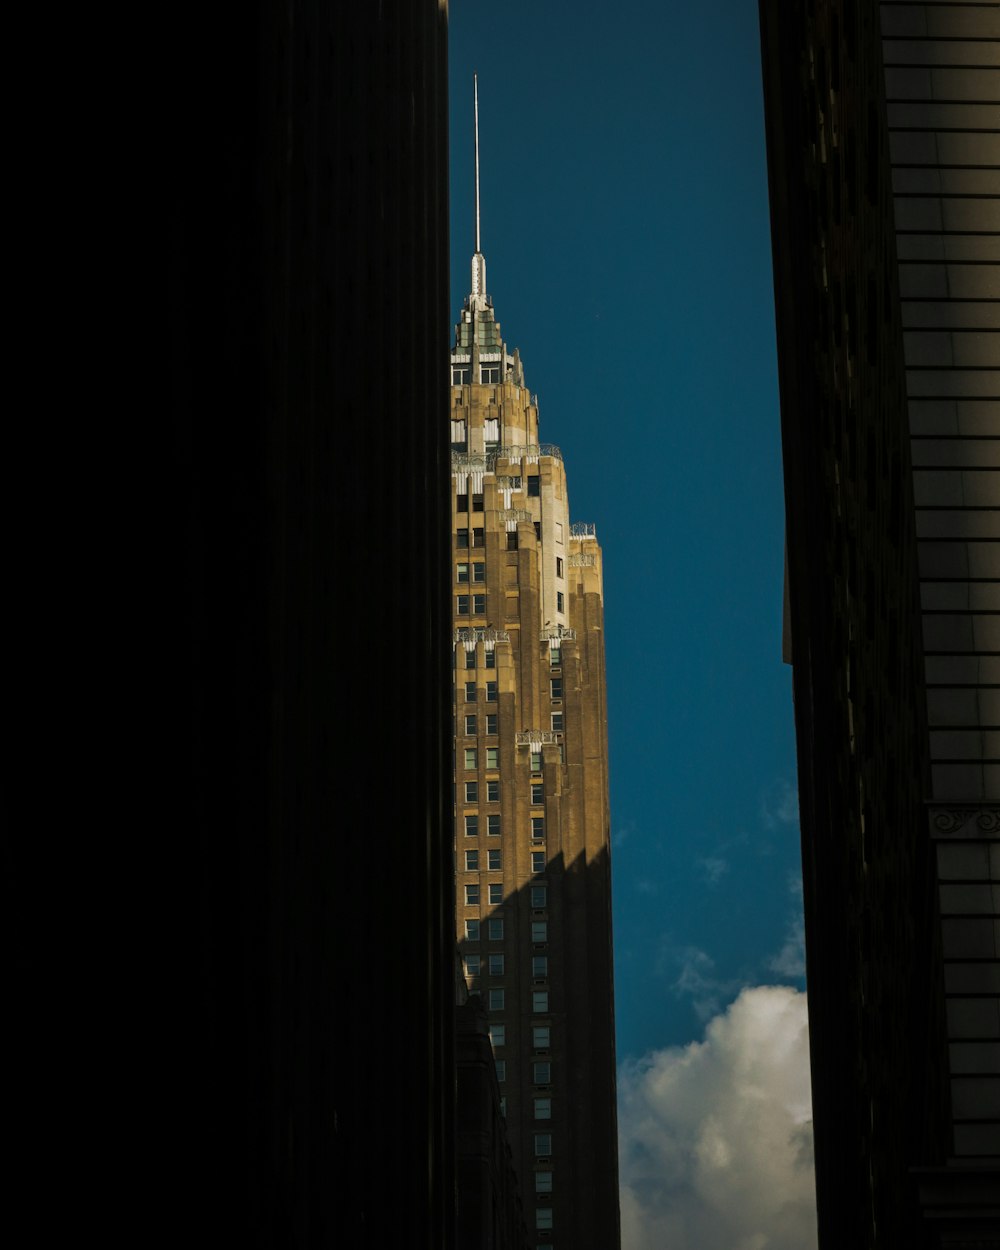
{"points": [[478, 293]]}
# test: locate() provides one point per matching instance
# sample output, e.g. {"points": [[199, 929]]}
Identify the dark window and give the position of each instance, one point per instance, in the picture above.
{"points": [[470, 658], [462, 503], [491, 692], [538, 530], [461, 538], [556, 687], [479, 572], [533, 485], [463, 605], [472, 792], [478, 604], [471, 895], [538, 826], [478, 538], [493, 792], [559, 566], [470, 692], [537, 788], [557, 721], [493, 861], [560, 601], [477, 503], [462, 573], [471, 861], [495, 892], [493, 826], [539, 894], [472, 826], [491, 658], [495, 929], [512, 540], [470, 727], [537, 861], [491, 722], [496, 965]]}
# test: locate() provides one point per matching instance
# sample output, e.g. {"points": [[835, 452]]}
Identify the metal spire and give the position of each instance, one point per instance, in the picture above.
{"points": [[478, 260], [475, 89]]}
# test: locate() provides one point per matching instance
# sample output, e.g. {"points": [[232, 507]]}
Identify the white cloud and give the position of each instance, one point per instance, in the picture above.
{"points": [[698, 981], [779, 805], [714, 868], [790, 961], [716, 1137]]}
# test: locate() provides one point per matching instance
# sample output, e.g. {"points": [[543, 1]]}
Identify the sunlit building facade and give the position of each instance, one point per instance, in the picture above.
{"points": [[533, 886]]}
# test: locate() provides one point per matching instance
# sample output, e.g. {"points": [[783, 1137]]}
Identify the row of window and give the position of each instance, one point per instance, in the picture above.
{"points": [[472, 757], [496, 1001], [475, 572], [471, 724], [462, 503], [489, 661], [494, 930], [479, 537], [471, 688], [495, 965], [493, 861], [493, 791], [477, 602], [541, 1035], [539, 894], [492, 826]]}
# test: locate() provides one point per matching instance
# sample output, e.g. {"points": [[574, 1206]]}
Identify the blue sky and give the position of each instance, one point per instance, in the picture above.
{"points": [[627, 240]]}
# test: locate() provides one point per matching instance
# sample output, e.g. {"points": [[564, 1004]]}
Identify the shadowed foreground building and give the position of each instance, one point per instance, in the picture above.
{"points": [[532, 818], [885, 201]]}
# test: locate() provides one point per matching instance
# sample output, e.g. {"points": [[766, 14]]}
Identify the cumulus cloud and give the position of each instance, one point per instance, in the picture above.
{"points": [[698, 980], [716, 1137], [779, 805]]}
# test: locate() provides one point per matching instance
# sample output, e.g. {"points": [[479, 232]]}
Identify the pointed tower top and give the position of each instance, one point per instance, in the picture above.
{"points": [[478, 293]]}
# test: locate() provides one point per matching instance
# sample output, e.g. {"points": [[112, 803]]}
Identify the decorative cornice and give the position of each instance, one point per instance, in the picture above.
{"points": [[537, 737], [554, 634], [583, 529], [964, 820], [582, 561], [529, 452], [488, 636]]}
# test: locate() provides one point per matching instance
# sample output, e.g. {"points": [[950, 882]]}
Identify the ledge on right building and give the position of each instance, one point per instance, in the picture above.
{"points": [[884, 171]]}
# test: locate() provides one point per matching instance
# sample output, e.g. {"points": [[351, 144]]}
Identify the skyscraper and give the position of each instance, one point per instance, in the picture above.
{"points": [[531, 784], [882, 152]]}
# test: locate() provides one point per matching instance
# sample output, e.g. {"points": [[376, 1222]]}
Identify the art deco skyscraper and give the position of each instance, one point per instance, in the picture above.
{"points": [[532, 823]]}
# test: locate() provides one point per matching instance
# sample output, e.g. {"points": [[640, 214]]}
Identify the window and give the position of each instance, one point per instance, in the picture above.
{"points": [[538, 827], [470, 725], [538, 528], [560, 601], [491, 657], [462, 573], [491, 430], [491, 722], [536, 761], [537, 787], [543, 1145], [539, 1000], [491, 687], [472, 792], [538, 895], [461, 375], [541, 1073], [495, 928], [543, 1108], [539, 930], [479, 571], [555, 687], [472, 965], [470, 692], [501, 1067], [458, 434], [503, 1107], [512, 540], [472, 930], [498, 1035], [471, 861], [559, 531], [462, 605], [470, 658], [496, 892], [496, 1000], [462, 503], [534, 484], [462, 538], [493, 861], [541, 1036], [471, 757], [477, 503], [493, 792], [543, 1182], [539, 965], [489, 373], [555, 657], [493, 826], [496, 965], [472, 895], [492, 757], [478, 605], [537, 861], [479, 538], [559, 566], [557, 721], [472, 826], [543, 1217]]}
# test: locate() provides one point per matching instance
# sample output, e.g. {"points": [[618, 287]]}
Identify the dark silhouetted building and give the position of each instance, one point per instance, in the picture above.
{"points": [[883, 153], [309, 1080], [532, 817]]}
